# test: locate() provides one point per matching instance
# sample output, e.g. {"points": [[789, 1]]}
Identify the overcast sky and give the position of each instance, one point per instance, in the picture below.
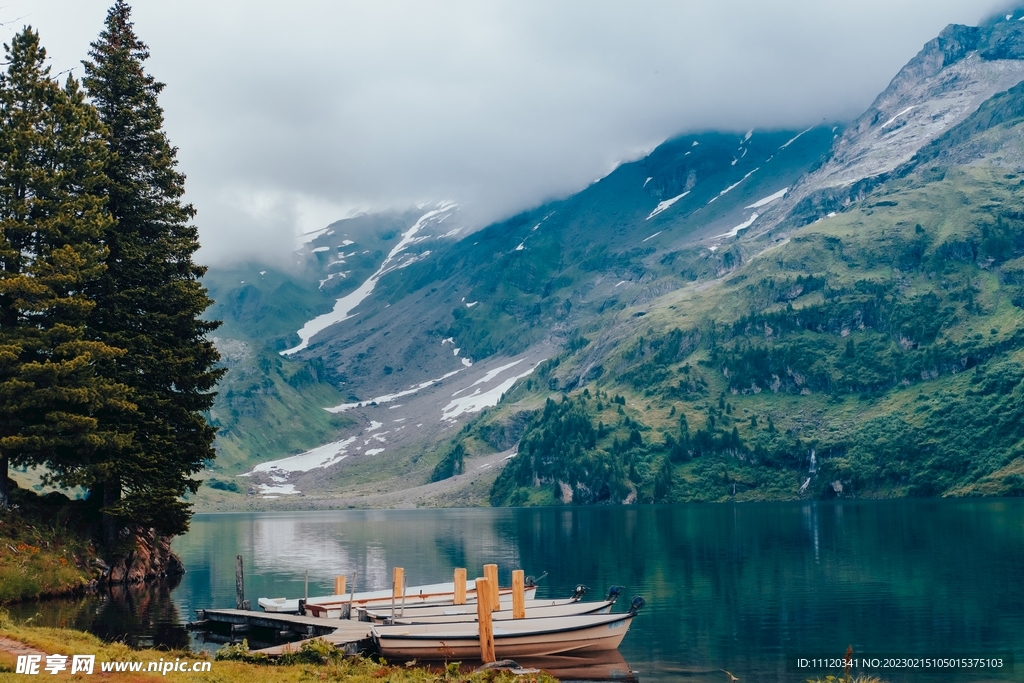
{"points": [[289, 115]]}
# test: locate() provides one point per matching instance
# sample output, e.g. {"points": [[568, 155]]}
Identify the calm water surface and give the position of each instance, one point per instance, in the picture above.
{"points": [[745, 588]]}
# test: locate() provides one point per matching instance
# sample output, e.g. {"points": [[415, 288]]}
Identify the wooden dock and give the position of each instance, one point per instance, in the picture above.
{"points": [[348, 636]]}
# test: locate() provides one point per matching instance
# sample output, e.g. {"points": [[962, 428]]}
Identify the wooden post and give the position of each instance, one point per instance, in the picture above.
{"points": [[239, 583], [518, 594], [483, 615], [491, 574], [405, 584], [460, 586], [352, 596], [397, 577], [339, 585]]}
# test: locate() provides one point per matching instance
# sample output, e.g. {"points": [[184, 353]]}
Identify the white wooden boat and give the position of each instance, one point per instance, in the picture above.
{"points": [[512, 638], [451, 612], [533, 611], [379, 615], [331, 606]]}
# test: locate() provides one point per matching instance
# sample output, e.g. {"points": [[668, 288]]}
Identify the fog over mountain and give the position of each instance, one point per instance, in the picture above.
{"points": [[291, 116]]}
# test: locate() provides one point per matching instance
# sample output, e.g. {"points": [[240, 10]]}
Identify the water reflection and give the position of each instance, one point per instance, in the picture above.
{"points": [[736, 587], [140, 615]]}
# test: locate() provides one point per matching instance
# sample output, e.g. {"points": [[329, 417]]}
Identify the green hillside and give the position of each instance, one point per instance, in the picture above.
{"points": [[878, 352], [869, 344], [271, 406], [544, 267]]}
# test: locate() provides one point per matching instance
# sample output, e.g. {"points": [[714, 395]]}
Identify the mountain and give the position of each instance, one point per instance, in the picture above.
{"points": [[423, 315], [758, 315], [943, 84]]}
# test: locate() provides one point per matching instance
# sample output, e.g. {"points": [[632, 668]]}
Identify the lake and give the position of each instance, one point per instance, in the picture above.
{"points": [[747, 587]]}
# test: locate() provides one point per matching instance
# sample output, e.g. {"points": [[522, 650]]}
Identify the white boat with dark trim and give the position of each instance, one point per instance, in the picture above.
{"points": [[567, 610], [512, 638], [331, 606], [543, 636], [439, 614]]}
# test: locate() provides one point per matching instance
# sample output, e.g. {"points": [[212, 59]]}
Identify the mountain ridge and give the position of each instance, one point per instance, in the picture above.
{"points": [[641, 295]]}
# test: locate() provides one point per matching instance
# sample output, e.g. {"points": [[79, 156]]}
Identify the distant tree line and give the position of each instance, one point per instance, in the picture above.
{"points": [[105, 363]]}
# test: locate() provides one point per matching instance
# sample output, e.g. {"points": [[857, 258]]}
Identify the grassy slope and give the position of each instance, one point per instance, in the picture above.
{"points": [[39, 557], [921, 276]]}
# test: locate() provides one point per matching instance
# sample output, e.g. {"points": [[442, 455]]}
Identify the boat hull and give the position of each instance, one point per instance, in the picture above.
{"points": [[467, 611], [518, 638], [532, 612]]}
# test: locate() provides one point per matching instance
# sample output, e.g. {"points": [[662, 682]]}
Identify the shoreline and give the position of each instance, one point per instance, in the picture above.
{"points": [[318, 660]]}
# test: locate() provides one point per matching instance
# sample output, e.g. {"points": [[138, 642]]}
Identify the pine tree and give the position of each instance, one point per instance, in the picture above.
{"points": [[52, 218], [150, 299]]}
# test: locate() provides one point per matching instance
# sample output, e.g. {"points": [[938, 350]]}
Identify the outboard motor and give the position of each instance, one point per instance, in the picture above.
{"points": [[613, 593], [531, 582], [636, 605], [580, 591]]}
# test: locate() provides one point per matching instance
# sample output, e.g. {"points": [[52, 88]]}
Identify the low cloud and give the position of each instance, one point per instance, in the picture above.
{"points": [[291, 115]]}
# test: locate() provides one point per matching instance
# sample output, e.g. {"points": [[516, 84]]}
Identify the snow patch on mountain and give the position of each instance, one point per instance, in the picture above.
{"points": [[344, 306], [279, 490], [321, 456], [491, 374], [734, 185], [795, 138], [662, 206], [896, 116], [742, 226], [768, 200], [387, 398], [480, 399]]}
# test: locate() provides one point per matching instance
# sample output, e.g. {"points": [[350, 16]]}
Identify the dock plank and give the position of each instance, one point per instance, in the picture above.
{"points": [[342, 633], [272, 619], [348, 641]]}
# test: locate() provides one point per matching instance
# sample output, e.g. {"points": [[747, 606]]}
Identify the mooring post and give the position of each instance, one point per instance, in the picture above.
{"points": [[460, 586], [339, 585], [518, 594], [239, 583], [483, 615], [405, 586], [352, 596], [397, 577], [491, 574]]}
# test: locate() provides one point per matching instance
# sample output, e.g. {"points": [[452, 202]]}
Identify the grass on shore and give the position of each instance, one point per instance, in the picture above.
{"points": [[41, 558], [318, 661]]}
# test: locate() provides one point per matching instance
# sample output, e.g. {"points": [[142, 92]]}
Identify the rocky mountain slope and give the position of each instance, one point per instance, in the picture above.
{"points": [[948, 80], [753, 315]]}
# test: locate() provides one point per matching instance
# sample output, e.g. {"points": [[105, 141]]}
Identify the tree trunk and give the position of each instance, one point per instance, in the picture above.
{"points": [[111, 497], [5, 501]]}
